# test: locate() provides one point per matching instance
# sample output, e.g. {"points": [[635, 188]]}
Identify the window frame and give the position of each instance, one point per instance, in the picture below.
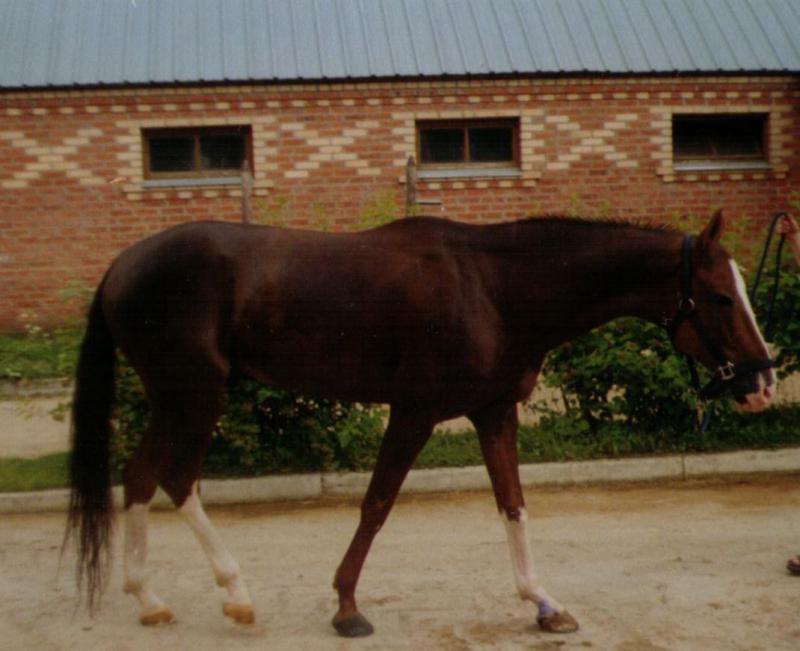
{"points": [[465, 124], [682, 162], [196, 133]]}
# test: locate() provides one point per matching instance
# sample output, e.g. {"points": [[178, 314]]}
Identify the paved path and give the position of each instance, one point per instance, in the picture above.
{"points": [[27, 429]]}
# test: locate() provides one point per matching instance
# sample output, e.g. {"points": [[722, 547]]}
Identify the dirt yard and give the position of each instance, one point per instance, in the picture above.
{"points": [[673, 567]]}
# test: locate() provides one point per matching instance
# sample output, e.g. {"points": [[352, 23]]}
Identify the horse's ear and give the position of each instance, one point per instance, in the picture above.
{"points": [[713, 231]]}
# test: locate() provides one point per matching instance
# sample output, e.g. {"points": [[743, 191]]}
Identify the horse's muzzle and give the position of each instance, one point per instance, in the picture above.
{"points": [[755, 393]]}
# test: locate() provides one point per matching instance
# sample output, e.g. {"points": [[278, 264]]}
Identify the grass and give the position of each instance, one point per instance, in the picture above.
{"points": [[39, 354], [18, 475]]}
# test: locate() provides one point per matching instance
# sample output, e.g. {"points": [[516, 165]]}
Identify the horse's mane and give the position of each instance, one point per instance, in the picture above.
{"points": [[603, 222]]}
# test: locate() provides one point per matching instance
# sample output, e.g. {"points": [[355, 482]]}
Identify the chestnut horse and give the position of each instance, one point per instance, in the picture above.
{"points": [[438, 319]]}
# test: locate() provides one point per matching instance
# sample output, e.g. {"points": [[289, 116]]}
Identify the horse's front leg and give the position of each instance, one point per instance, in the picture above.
{"points": [[405, 436], [497, 430]]}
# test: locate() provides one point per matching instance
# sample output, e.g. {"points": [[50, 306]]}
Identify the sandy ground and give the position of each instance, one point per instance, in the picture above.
{"points": [[647, 568], [27, 430]]}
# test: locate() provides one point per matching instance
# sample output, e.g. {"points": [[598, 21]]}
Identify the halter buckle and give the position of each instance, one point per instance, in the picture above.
{"points": [[686, 305], [727, 371]]}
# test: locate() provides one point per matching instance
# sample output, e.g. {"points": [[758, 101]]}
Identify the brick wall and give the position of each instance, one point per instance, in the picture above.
{"points": [[72, 192]]}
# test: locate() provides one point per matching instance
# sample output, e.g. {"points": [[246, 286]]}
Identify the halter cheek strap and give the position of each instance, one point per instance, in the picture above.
{"points": [[726, 371]]}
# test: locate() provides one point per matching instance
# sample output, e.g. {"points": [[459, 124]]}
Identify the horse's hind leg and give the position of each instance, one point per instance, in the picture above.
{"points": [[405, 436], [497, 431], [190, 418], [140, 484], [184, 414], [238, 605]]}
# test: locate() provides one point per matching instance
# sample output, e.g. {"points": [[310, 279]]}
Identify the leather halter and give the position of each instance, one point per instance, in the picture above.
{"points": [[726, 372]]}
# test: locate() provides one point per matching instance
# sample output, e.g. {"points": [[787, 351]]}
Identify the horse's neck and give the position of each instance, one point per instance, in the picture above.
{"points": [[580, 277], [636, 275]]}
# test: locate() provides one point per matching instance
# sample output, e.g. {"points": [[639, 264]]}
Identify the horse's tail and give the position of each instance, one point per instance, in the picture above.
{"points": [[91, 506]]}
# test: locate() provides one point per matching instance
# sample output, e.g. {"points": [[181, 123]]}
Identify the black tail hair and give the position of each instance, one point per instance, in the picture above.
{"points": [[91, 506]]}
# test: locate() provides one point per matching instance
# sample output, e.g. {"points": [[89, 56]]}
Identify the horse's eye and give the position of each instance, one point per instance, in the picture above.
{"points": [[723, 300]]}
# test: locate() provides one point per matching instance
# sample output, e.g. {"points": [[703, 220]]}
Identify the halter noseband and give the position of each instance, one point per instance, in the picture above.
{"points": [[726, 371]]}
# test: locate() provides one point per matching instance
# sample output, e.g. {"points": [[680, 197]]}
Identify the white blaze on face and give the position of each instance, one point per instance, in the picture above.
{"points": [[764, 394]]}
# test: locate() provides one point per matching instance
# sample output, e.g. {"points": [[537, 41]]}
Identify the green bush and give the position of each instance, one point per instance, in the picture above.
{"points": [[619, 382]]}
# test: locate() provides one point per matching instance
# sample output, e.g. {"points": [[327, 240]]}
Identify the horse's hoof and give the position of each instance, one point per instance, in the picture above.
{"points": [[355, 625], [162, 615], [239, 613], [555, 622]]}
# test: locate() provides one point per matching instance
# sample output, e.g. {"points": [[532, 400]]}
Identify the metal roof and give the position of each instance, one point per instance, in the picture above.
{"points": [[96, 42]]}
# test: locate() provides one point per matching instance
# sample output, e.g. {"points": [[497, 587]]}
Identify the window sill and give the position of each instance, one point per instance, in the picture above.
{"points": [[192, 183], [469, 173], [719, 166]]}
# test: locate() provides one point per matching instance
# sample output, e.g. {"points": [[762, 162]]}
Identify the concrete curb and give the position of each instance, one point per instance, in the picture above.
{"points": [[29, 390], [314, 486]]}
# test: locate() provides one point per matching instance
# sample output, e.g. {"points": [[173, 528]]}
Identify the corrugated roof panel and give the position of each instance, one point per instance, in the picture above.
{"points": [[605, 36], [259, 60], [331, 51], [739, 43], [516, 47], [747, 14], [584, 42], [234, 37], [469, 45], [281, 27], [112, 22], [424, 40], [679, 56], [186, 62], [448, 43], [709, 36], [559, 37], [37, 32], [491, 38], [650, 36], [628, 41], [86, 42], [356, 53], [136, 40], [398, 31], [543, 56], [787, 19], [786, 45]]}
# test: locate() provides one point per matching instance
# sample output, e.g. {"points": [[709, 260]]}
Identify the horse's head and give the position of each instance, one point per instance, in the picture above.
{"points": [[715, 323]]}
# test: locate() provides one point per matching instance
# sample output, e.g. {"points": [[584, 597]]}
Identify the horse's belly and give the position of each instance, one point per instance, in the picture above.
{"points": [[360, 371]]}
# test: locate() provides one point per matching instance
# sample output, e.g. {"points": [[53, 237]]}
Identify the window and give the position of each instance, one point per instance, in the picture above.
{"points": [[477, 144], [195, 152], [731, 140]]}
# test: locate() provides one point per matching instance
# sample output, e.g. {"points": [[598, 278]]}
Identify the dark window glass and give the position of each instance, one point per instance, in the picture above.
{"points": [[480, 142], [442, 145], [171, 154], [492, 144], [719, 137], [196, 151], [224, 152]]}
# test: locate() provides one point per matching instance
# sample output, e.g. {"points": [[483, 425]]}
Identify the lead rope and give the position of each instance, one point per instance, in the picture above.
{"points": [[769, 323]]}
